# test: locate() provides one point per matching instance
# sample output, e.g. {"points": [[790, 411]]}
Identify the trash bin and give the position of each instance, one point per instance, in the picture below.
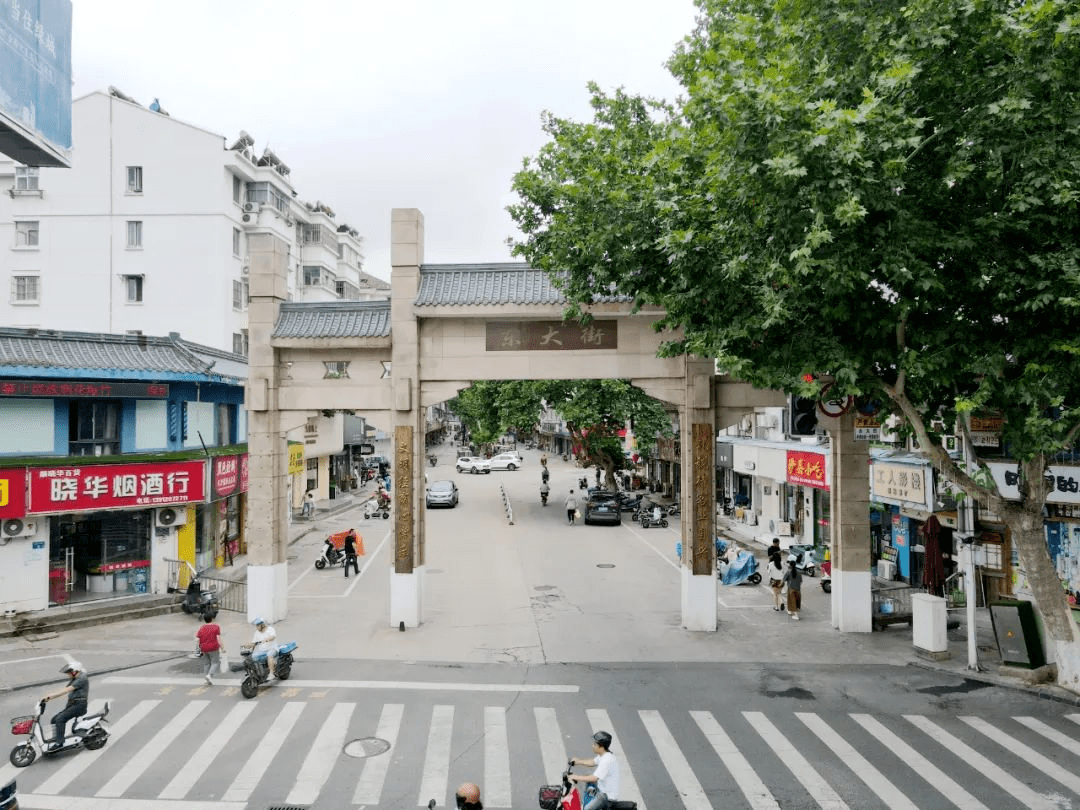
{"points": [[333, 491]]}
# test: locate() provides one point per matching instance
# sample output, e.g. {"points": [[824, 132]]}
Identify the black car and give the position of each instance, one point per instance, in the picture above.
{"points": [[8, 799], [602, 507]]}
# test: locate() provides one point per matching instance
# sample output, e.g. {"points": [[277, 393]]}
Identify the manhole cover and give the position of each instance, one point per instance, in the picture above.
{"points": [[366, 747], [605, 565], [544, 588]]}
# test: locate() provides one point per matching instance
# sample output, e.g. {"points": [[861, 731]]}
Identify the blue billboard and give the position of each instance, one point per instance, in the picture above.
{"points": [[35, 81]]}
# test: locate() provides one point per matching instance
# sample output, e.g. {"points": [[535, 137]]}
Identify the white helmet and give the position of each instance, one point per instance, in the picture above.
{"points": [[71, 666]]}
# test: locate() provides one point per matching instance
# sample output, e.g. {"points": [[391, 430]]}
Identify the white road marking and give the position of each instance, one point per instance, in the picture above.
{"points": [[628, 789], [682, 775], [745, 776], [995, 773], [70, 770], [323, 755], [373, 776], [368, 560], [800, 767], [1026, 753], [552, 750], [145, 756], [937, 778], [296, 683], [1051, 733], [264, 753], [497, 791], [208, 752], [858, 764], [36, 801], [436, 772]]}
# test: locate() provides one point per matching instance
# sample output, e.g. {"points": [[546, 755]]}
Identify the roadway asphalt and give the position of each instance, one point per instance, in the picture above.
{"points": [[535, 591]]}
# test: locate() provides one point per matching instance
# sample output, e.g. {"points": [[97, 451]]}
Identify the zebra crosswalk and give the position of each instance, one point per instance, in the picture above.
{"points": [[204, 749]]}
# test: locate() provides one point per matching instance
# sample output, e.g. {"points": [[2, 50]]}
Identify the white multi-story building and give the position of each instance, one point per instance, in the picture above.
{"points": [[147, 231]]}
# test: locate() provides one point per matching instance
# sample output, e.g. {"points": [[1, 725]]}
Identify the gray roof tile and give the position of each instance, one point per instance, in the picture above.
{"points": [[485, 284], [333, 319], [56, 351]]}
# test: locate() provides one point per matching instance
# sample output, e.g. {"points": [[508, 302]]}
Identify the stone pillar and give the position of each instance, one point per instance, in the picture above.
{"points": [[697, 498], [849, 501], [268, 457], [406, 256]]}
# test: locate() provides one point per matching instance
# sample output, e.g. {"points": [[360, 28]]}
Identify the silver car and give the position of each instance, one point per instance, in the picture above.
{"points": [[442, 493]]}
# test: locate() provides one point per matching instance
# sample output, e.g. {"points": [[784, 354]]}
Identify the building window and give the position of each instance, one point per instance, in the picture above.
{"points": [[24, 289], [235, 241], [134, 179], [134, 234], [94, 428], [237, 189], [26, 178], [312, 276], [240, 342], [26, 234], [133, 286], [239, 295]]}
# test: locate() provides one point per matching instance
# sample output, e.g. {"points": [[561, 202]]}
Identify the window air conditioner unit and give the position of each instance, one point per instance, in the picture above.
{"points": [[17, 527], [170, 516], [781, 528]]}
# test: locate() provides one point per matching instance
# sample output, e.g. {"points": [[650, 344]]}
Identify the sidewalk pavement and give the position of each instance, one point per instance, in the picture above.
{"points": [[551, 584]]}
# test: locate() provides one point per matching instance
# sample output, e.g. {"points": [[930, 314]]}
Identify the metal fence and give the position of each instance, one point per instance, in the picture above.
{"points": [[231, 594]]}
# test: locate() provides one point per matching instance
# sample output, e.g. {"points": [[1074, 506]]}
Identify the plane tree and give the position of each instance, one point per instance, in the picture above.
{"points": [[594, 411], [885, 193]]}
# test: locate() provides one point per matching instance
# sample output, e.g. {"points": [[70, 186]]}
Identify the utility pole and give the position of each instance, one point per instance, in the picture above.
{"points": [[965, 522]]}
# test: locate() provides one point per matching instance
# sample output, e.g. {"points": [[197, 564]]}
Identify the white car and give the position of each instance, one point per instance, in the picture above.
{"points": [[505, 461], [472, 464]]}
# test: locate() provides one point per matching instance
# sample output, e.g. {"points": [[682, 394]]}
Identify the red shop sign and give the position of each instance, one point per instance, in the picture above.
{"points": [[807, 469], [13, 493], [115, 486], [230, 475]]}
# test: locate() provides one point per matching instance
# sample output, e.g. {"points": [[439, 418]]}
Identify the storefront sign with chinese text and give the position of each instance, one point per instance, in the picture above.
{"points": [[531, 336], [807, 469], [230, 475], [115, 486], [296, 458], [81, 389], [900, 483], [1064, 482], [13, 493]]}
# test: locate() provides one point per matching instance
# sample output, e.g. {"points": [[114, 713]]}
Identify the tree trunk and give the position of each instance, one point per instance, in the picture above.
{"points": [[1025, 521]]}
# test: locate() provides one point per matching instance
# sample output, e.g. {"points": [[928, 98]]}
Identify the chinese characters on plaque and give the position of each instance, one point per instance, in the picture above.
{"points": [[532, 336], [806, 468], [111, 486]]}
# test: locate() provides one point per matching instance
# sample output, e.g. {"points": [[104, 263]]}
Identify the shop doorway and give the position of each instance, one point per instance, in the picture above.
{"points": [[98, 555]]}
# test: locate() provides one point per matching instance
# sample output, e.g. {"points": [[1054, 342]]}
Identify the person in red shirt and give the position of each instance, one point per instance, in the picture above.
{"points": [[209, 637]]}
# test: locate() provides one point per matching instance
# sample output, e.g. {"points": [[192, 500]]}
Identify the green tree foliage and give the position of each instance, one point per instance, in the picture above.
{"points": [[885, 192], [594, 410]]}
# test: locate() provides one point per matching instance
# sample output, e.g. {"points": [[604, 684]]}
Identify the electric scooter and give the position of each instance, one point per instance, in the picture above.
{"points": [[567, 797], [196, 600], [88, 731], [257, 671]]}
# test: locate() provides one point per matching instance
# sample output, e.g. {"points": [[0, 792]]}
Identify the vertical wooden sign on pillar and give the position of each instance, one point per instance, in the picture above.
{"points": [[703, 497], [403, 499]]}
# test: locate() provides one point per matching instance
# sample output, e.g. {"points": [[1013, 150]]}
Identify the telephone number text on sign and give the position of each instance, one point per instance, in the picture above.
{"points": [[76, 489]]}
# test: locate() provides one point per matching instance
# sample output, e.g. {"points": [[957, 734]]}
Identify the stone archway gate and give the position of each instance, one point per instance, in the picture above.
{"points": [[443, 327]]}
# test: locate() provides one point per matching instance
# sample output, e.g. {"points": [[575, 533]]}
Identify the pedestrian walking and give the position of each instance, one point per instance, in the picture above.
{"points": [[308, 510], [793, 579], [350, 553], [571, 507], [776, 579], [209, 638]]}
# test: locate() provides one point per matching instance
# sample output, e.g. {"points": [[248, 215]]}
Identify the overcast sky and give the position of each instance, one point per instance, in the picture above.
{"points": [[428, 104]]}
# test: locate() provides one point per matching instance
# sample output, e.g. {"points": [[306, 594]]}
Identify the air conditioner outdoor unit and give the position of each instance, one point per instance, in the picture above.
{"points": [[244, 269], [249, 217], [17, 527], [170, 516], [886, 569], [781, 528], [251, 207]]}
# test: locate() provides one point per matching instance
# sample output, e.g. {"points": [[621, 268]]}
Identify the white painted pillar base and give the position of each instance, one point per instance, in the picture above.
{"points": [[699, 606], [851, 604], [268, 591], [406, 597]]}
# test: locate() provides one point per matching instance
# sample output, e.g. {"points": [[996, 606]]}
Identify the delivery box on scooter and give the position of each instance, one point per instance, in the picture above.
{"points": [[338, 539]]}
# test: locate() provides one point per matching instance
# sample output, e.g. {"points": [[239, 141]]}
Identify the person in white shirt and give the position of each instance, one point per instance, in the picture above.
{"points": [[265, 639], [602, 783]]}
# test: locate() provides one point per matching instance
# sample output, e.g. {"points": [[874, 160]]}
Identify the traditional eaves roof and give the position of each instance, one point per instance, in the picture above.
{"points": [[53, 353], [333, 319], [491, 284]]}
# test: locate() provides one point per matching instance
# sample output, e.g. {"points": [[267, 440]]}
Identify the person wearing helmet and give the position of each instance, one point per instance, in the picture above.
{"points": [[78, 692], [467, 797], [602, 785], [265, 640]]}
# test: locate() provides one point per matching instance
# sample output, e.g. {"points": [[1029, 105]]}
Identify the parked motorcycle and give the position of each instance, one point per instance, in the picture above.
{"points": [[628, 503], [826, 577], [377, 507], [89, 731], [743, 568], [804, 559], [203, 603], [257, 671], [433, 460], [330, 557]]}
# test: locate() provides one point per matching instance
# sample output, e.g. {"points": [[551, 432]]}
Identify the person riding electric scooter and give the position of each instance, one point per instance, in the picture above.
{"points": [[78, 692], [545, 490]]}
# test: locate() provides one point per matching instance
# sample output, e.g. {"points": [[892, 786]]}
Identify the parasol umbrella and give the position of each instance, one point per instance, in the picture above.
{"points": [[933, 570]]}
